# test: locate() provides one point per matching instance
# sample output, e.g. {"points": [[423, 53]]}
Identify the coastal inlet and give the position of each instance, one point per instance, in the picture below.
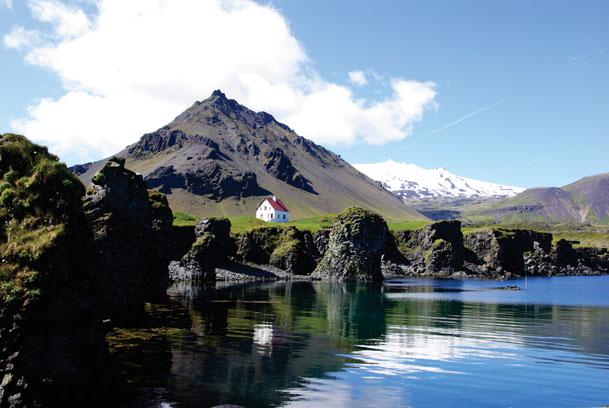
{"points": [[361, 345]]}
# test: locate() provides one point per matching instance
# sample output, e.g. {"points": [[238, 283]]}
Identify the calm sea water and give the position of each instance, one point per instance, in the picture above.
{"points": [[410, 343]]}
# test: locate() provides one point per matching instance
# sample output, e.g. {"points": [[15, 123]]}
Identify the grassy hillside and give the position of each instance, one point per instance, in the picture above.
{"points": [[585, 202]]}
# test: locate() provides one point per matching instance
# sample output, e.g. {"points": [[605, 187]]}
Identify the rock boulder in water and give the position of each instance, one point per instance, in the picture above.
{"points": [[212, 247], [355, 245]]}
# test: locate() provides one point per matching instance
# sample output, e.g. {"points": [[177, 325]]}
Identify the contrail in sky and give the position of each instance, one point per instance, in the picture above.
{"points": [[462, 118], [456, 122]]}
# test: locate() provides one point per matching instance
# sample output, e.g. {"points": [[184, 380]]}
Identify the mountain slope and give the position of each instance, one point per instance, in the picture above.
{"points": [[409, 181], [219, 158], [584, 201]]}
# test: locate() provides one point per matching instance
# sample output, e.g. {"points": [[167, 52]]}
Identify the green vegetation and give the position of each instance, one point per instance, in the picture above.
{"points": [[181, 219], [245, 223], [590, 236], [408, 225], [40, 206]]}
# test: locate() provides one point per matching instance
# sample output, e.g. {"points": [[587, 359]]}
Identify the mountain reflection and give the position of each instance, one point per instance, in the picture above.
{"points": [[321, 343]]}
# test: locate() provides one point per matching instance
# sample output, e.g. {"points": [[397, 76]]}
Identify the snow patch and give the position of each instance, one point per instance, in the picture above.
{"points": [[409, 181]]}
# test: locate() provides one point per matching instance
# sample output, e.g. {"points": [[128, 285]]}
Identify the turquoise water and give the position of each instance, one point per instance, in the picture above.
{"points": [[410, 343]]}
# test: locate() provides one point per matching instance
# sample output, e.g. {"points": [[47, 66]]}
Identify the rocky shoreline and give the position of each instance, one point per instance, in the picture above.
{"points": [[360, 247]]}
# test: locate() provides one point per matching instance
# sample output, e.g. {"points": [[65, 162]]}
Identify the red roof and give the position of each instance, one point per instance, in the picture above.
{"points": [[276, 204]]}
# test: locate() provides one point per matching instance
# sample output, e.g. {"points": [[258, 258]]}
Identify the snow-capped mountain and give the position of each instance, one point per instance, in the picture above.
{"points": [[410, 181]]}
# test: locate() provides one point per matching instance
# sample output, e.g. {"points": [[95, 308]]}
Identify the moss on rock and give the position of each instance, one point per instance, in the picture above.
{"points": [[51, 342]]}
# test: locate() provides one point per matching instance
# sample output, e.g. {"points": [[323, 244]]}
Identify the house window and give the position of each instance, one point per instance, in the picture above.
{"points": [[284, 216]]}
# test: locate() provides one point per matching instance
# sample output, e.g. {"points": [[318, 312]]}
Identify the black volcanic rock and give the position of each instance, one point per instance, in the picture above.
{"points": [[434, 248], [212, 248], [210, 179], [129, 237], [356, 243], [279, 165], [52, 347], [286, 248], [504, 249]]}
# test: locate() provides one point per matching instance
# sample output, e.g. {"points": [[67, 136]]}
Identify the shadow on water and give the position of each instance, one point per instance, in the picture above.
{"points": [[314, 343]]}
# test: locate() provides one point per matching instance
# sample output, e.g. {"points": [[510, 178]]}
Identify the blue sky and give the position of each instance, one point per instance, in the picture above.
{"points": [[521, 88]]}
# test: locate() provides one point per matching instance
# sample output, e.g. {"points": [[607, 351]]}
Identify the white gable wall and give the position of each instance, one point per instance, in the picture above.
{"points": [[267, 213]]}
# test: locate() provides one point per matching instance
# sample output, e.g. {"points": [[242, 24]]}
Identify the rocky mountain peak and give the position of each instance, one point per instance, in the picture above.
{"points": [[218, 93], [218, 101]]}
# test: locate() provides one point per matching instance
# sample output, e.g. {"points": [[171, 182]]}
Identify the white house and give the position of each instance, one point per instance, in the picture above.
{"points": [[272, 210]]}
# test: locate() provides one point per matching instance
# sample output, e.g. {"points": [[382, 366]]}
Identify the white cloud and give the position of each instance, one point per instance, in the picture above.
{"points": [[358, 78], [67, 21], [19, 38], [133, 66], [8, 4]]}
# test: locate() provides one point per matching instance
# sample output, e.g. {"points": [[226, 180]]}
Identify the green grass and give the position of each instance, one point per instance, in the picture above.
{"points": [[592, 237], [588, 236], [245, 223], [408, 225], [585, 238], [181, 219]]}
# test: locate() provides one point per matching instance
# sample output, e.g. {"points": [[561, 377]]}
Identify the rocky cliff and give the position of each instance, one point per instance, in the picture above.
{"points": [[73, 264], [52, 346], [359, 247], [440, 250], [131, 239]]}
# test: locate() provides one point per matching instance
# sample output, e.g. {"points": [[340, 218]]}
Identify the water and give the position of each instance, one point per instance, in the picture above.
{"points": [[419, 343]]}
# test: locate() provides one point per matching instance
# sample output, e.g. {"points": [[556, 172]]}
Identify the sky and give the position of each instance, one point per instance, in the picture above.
{"points": [[514, 92]]}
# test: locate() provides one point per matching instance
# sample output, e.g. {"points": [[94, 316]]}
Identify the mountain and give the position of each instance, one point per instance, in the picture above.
{"points": [[220, 158], [585, 201], [409, 181]]}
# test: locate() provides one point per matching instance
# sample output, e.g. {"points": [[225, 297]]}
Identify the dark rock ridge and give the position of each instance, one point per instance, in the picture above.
{"points": [[71, 260], [210, 179], [503, 250], [80, 168], [279, 165], [440, 250], [132, 239]]}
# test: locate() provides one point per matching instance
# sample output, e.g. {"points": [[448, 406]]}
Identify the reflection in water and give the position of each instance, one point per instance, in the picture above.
{"points": [[331, 344]]}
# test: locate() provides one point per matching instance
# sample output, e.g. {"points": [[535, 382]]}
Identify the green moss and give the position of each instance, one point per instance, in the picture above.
{"points": [[282, 250], [40, 202]]}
